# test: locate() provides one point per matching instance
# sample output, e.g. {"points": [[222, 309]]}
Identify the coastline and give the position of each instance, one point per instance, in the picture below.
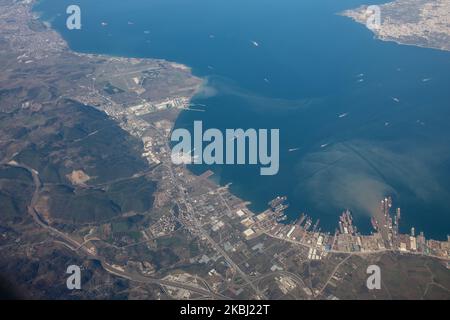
{"points": [[392, 30], [198, 240], [138, 132], [65, 46], [376, 36]]}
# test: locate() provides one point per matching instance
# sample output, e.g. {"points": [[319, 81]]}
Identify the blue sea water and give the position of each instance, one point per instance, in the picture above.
{"points": [[310, 67]]}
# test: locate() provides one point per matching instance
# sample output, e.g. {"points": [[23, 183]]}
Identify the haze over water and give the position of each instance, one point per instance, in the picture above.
{"points": [[369, 118]]}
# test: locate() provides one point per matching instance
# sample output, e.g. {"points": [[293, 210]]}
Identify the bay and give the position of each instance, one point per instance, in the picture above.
{"points": [[357, 120]]}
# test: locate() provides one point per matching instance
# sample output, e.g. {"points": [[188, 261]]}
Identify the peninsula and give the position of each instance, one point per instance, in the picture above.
{"points": [[423, 23]]}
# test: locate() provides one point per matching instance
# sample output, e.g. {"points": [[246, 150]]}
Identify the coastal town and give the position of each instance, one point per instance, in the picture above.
{"points": [[198, 239], [421, 23]]}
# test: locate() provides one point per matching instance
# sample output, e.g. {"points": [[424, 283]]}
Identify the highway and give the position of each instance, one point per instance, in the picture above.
{"points": [[195, 227], [77, 246]]}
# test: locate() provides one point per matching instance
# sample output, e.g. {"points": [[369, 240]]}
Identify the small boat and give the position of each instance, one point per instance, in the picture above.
{"points": [[374, 223]]}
